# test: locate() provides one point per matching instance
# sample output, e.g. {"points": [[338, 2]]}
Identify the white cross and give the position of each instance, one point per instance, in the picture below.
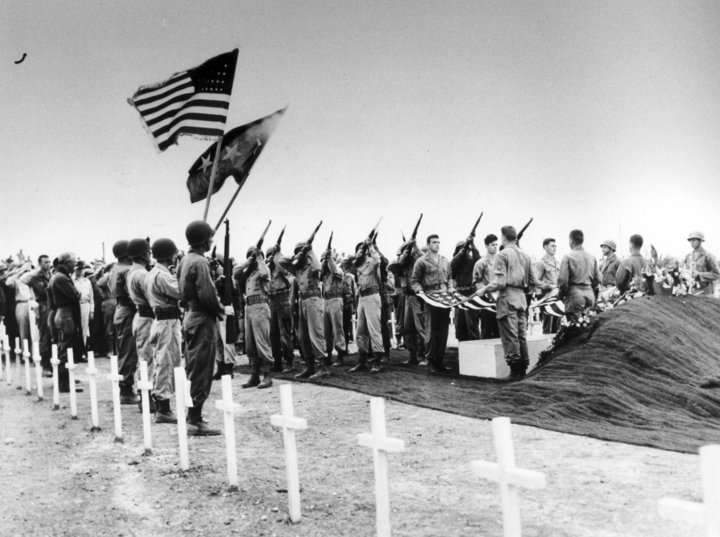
{"points": [[393, 325], [381, 445], [509, 477], [289, 424], [115, 379], [229, 409], [18, 363], [70, 366], [182, 401], [145, 386], [38, 370], [26, 359], [92, 385], [706, 513], [56, 388]]}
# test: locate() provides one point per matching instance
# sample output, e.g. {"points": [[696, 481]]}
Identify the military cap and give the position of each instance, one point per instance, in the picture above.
{"points": [[163, 249], [119, 249], [696, 235], [198, 232], [137, 247], [610, 244]]}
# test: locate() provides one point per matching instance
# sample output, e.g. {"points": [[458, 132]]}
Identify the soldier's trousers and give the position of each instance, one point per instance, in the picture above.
{"points": [[165, 338], [22, 315], [310, 330], [200, 334], [513, 333], [347, 321], [576, 300], [225, 351], [127, 351], [141, 327], [257, 335], [467, 324], [488, 325], [108, 313], [66, 331], [44, 334], [281, 324], [385, 315], [333, 326], [399, 316], [414, 326], [369, 333], [437, 323]]}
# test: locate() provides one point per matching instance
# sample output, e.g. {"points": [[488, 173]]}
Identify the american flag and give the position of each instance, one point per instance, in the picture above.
{"points": [[477, 302], [451, 299], [550, 304], [193, 102]]}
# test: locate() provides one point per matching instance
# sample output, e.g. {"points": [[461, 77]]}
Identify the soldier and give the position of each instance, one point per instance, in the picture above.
{"points": [[66, 302], [631, 268], [225, 358], [703, 265], [609, 264], [578, 279], [432, 273], [466, 255], [547, 270], [163, 294], [413, 313], [513, 277], [333, 277], [349, 288], [310, 319], [256, 277], [124, 314], [280, 295], [108, 310], [38, 280], [482, 275], [369, 332], [197, 291], [139, 253]]}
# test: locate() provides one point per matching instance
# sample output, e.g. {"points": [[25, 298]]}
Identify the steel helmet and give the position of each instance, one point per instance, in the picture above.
{"points": [[198, 232], [610, 244], [120, 249], [163, 249], [696, 235], [137, 247]]}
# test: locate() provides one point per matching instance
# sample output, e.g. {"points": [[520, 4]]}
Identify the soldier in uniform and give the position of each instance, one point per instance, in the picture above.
{"points": [[482, 275], [369, 332], [578, 279], [198, 293], [66, 302], [38, 280], [256, 277], [513, 277], [349, 288], [547, 270], [139, 253], [609, 264], [333, 277], [280, 295], [413, 313], [163, 294], [467, 322], [704, 266], [310, 314], [432, 273], [225, 358], [631, 268], [124, 314]]}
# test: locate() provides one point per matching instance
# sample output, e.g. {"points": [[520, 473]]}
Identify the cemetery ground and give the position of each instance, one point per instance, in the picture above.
{"points": [[60, 479]]}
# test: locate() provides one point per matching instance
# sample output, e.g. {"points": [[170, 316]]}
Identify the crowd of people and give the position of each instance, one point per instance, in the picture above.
{"points": [[159, 305]]}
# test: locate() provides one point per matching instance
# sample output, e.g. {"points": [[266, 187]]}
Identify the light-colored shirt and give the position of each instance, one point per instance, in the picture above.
{"points": [[136, 284], [161, 287], [706, 268], [608, 270], [84, 287], [431, 273], [547, 271], [630, 268], [483, 270], [513, 275], [578, 269], [368, 273]]}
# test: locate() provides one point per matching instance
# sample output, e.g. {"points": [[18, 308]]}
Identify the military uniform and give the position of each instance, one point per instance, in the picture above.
{"points": [[349, 288], [38, 281], [333, 278], [257, 321], [705, 269], [310, 314], [630, 269], [123, 320], [578, 281], [547, 271], [482, 275], [143, 319], [66, 302], [369, 311], [414, 314], [280, 294], [467, 322], [608, 270]]}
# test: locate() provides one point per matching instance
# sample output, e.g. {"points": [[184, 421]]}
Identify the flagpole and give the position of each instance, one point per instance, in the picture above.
{"points": [[229, 204], [212, 176]]}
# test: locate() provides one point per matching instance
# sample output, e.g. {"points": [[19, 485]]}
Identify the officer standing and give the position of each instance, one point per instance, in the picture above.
{"points": [[578, 279], [432, 273], [198, 292], [124, 314], [280, 291], [547, 270], [609, 264], [163, 295], [369, 333], [513, 277], [332, 276], [467, 321], [413, 313], [482, 275], [704, 266], [631, 268]]}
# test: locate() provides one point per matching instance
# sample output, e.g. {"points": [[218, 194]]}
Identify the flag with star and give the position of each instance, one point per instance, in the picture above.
{"points": [[194, 102], [240, 148]]}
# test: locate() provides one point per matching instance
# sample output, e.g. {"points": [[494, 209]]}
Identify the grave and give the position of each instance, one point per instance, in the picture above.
{"points": [[485, 357]]}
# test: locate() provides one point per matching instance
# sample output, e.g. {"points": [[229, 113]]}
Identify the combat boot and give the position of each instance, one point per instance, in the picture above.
{"points": [[253, 381], [267, 379], [361, 365], [377, 364], [339, 361], [127, 395], [288, 368], [321, 373], [517, 371], [163, 413], [308, 372]]}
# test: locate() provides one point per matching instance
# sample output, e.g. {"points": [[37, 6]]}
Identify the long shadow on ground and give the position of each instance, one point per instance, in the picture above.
{"points": [[635, 376]]}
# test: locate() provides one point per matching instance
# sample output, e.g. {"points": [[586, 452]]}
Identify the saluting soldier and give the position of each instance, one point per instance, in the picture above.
{"points": [[123, 320], [467, 321], [704, 266], [514, 275], [432, 273], [547, 271], [482, 275], [139, 253], [579, 278], [369, 314], [413, 322], [198, 293], [280, 295], [631, 268], [333, 278], [163, 295], [609, 264]]}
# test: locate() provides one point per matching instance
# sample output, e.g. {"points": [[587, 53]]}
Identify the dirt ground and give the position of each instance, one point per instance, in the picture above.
{"points": [[60, 479]]}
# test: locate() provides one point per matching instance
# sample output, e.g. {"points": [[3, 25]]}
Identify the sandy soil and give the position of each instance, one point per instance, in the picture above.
{"points": [[60, 479]]}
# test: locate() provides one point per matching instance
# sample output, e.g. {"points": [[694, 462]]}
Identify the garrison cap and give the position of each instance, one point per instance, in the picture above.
{"points": [[696, 235], [610, 244]]}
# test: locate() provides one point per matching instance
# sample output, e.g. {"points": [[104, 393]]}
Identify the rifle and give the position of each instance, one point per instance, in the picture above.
{"points": [[414, 233], [522, 231], [472, 233], [251, 262], [328, 253], [262, 237], [329, 246], [231, 321], [296, 258], [372, 235]]}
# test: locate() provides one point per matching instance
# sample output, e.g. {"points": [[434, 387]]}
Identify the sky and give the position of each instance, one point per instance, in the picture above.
{"points": [[603, 116]]}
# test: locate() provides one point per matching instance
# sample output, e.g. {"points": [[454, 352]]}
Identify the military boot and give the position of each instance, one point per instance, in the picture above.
{"points": [[377, 363], [321, 373], [127, 395], [309, 370], [340, 359], [361, 365], [163, 413], [267, 379], [197, 426]]}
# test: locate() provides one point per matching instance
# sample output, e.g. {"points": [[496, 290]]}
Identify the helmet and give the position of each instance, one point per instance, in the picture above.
{"points": [[249, 252], [119, 249], [359, 245], [696, 235], [198, 232], [163, 249], [270, 252], [610, 244], [458, 247], [137, 247], [299, 246]]}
